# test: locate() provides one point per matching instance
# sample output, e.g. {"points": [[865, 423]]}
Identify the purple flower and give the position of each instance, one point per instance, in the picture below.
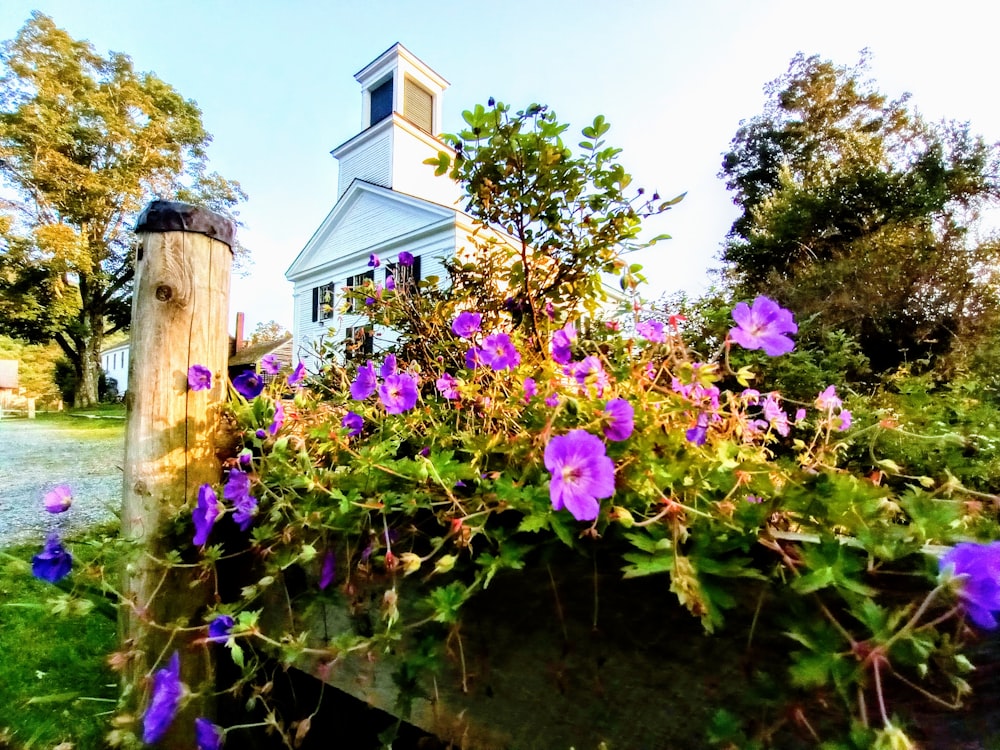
{"points": [[278, 419], [248, 384], [328, 573], [209, 736], [365, 383], [800, 414], [245, 456], [828, 400], [582, 473], [199, 378], [53, 563], [447, 386], [530, 389], [425, 451], [373, 261], [621, 418], [58, 499], [220, 628], [405, 258], [499, 352], [388, 366], [270, 364], [166, 699], [552, 400], [398, 393], [473, 357], [354, 423], [699, 433], [845, 420], [297, 374], [979, 565], [774, 414], [369, 301], [589, 372], [550, 311], [237, 491], [466, 324], [261, 435], [205, 514], [652, 331], [562, 344], [763, 327], [390, 283]]}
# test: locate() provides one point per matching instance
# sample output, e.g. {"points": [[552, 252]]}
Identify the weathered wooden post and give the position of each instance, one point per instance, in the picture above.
{"points": [[180, 310]]}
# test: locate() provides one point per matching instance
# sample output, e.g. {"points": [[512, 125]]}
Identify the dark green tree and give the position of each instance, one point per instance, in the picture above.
{"points": [[85, 142], [856, 209]]}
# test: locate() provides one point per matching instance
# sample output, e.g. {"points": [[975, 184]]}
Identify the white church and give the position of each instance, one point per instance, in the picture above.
{"points": [[388, 201]]}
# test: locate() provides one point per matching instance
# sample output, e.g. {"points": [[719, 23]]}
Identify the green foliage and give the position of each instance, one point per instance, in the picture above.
{"points": [[36, 366], [85, 142], [855, 209]]}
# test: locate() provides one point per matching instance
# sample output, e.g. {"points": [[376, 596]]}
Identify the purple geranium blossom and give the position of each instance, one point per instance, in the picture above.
{"points": [[447, 386], [466, 324], [278, 419], [209, 736], [390, 283], [365, 383], [652, 331], [220, 628], [979, 565], [58, 499], [582, 473], [774, 414], [552, 400], [328, 571], [620, 420], [206, 512], [199, 378], [398, 393], [248, 384], [373, 261], [297, 374], [473, 357], [405, 258], [763, 327], [828, 400], [589, 372], [800, 414], [237, 491], [166, 699], [845, 420], [388, 366], [530, 389], [53, 563], [354, 423], [270, 364], [699, 433], [499, 352], [562, 344]]}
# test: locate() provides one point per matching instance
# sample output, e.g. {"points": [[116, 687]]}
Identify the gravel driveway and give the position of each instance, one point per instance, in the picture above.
{"points": [[36, 455]]}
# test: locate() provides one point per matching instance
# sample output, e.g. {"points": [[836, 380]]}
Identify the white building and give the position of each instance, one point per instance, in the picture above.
{"points": [[114, 362], [388, 201]]}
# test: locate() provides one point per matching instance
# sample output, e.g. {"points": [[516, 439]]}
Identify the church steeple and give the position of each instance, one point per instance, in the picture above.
{"points": [[401, 112]]}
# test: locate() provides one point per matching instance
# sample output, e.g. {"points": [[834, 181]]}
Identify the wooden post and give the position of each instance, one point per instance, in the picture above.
{"points": [[180, 310], [31, 408]]}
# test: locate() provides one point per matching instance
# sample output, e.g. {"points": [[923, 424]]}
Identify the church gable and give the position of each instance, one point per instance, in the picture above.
{"points": [[367, 216]]}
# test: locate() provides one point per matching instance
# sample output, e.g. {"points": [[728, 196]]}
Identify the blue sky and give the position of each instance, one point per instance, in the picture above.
{"points": [[275, 83]]}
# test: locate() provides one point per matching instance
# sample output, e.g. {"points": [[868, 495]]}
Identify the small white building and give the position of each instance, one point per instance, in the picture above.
{"points": [[114, 362], [388, 201]]}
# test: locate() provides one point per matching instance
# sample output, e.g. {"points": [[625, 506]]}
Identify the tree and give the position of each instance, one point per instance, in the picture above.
{"points": [[564, 220], [269, 331], [856, 209], [85, 143]]}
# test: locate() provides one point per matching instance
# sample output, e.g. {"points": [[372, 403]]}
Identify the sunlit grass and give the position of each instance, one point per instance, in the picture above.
{"points": [[55, 686]]}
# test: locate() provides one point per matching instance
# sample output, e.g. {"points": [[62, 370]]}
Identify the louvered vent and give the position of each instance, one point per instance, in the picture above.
{"points": [[418, 106]]}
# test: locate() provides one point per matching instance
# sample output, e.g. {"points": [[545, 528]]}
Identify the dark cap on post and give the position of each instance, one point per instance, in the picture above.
{"points": [[173, 216]]}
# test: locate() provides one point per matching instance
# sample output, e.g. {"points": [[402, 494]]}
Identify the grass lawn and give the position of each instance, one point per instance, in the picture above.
{"points": [[54, 684]]}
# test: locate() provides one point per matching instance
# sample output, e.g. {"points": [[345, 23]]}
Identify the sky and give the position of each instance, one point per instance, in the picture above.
{"points": [[275, 83]]}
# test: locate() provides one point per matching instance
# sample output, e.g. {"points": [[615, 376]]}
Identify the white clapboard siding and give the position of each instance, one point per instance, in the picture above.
{"points": [[371, 162]]}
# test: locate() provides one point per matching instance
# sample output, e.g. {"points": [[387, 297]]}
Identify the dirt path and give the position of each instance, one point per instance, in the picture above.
{"points": [[37, 455]]}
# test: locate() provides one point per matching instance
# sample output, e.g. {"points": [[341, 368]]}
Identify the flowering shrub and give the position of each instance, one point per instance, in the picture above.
{"points": [[507, 421]]}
